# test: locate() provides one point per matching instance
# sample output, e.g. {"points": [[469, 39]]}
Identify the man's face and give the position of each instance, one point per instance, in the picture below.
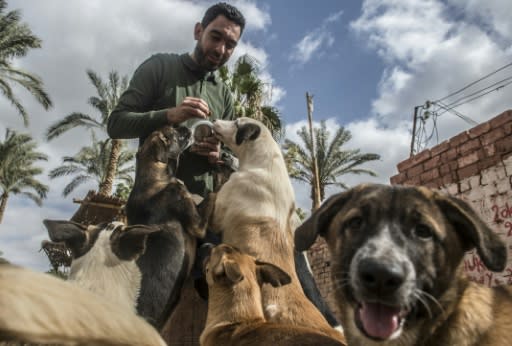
{"points": [[215, 43]]}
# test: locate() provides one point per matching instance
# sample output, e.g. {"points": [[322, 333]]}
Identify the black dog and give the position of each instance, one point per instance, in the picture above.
{"points": [[159, 198]]}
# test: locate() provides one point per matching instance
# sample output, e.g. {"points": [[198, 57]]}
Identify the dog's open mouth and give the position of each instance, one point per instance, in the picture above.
{"points": [[379, 321]]}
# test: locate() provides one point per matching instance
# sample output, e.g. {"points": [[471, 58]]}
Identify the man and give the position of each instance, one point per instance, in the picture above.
{"points": [[180, 89]]}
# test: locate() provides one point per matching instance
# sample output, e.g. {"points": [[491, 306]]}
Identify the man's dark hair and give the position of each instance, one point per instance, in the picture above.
{"points": [[227, 10]]}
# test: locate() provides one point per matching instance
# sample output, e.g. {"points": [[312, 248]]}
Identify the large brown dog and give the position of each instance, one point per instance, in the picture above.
{"points": [[235, 314], [397, 268], [253, 210]]}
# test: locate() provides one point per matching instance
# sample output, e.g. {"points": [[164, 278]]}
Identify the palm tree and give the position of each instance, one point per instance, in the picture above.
{"points": [[333, 161], [249, 93], [108, 94], [92, 163], [16, 39], [17, 170]]}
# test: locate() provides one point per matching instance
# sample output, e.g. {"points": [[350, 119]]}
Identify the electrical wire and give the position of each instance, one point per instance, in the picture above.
{"points": [[473, 83]]}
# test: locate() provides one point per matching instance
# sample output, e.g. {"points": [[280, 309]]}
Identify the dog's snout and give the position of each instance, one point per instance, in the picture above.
{"points": [[381, 277]]}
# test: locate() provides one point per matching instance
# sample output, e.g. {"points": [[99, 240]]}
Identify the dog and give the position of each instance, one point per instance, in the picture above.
{"points": [[37, 308], [253, 210], [235, 314], [159, 198], [397, 267]]}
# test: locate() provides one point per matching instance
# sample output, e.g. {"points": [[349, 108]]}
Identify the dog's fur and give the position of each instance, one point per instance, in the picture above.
{"points": [[41, 309], [159, 198], [104, 257], [397, 267], [235, 314], [253, 210]]}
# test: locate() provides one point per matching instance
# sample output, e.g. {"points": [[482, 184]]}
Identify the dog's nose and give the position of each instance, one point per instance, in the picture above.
{"points": [[380, 277]]}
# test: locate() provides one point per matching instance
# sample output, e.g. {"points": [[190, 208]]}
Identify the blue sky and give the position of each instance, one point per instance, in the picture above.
{"points": [[367, 63]]}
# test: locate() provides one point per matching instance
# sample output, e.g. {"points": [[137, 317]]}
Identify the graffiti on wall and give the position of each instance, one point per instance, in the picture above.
{"points": [[502, 224]]}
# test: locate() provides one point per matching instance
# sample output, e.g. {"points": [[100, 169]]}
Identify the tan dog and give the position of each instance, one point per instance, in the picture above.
{"points": [[235, 315], [253, 210], [38, 308], [397, 268]]}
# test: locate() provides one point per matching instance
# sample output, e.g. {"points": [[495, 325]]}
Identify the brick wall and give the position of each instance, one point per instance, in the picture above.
{"points": [[475, 165]]}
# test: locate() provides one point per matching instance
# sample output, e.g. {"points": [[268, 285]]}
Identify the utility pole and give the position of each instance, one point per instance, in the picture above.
{"points": [[414, 120], [316, 178]]}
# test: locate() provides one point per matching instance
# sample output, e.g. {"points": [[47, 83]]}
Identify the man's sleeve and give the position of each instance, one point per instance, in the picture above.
{"points": [[133, 117]]}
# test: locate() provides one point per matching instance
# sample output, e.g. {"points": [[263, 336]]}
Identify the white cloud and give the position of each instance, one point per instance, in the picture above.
{"points": [[101, 35], [315, 42], [428, 53]]}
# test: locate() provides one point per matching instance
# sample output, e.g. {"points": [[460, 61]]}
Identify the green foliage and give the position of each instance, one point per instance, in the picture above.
{"points": [[18, 171], [333, 161], [16, 39], [250, 93], [91, 163]]}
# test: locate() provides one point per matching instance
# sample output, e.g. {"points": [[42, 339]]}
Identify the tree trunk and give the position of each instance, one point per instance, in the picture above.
{"points": [[108, 182], [3, 203]]}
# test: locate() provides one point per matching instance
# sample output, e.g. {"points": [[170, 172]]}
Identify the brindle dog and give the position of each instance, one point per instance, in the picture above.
{"points": [[159, 198], [397, 267]]}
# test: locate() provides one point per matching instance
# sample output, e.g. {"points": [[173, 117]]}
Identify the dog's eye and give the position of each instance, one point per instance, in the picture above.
{"points": [[354, 223], [423, 231]]}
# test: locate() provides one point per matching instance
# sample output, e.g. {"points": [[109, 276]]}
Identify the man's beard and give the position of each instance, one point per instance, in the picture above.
{"points": [[202, 59]]}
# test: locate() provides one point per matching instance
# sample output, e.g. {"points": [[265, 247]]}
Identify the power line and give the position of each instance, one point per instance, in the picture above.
{"points": [[473, 83], [451, 105]]}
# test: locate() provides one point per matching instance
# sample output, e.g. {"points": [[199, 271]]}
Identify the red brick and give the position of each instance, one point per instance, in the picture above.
{"points": [[459, 139], [429, 175], [488, 162], [492, 136], [470, 158], [504, 145], [440, 148], [434, 184], [432, 162], [468, 171], [449, 155], [414, 181], [406, 164], [489, 150], [479, 130], [448, 179], [415, 171], [398, 179], [507, 128], [469, 146], [501, 119]]}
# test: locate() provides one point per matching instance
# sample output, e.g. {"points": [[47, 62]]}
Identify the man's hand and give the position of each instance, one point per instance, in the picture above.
{"points": [[191, 107], [209, 147]]}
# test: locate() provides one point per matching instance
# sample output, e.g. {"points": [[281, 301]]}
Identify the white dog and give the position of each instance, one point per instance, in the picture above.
{"points": [[254, 209], [261, 187]]}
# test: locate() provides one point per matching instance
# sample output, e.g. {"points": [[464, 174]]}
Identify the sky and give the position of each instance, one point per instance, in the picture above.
{"points": [[367, 63]]}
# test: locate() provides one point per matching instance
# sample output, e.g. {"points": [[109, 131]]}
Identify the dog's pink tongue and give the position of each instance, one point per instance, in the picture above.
{"points": [[378, 320]]}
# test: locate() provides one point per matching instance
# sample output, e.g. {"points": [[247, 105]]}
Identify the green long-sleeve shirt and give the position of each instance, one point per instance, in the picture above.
{"points": [[162, 82]]}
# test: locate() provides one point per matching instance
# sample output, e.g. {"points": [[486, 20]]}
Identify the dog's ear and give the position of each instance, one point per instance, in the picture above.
{"points": [[160, 147], [305, 234], [128, 243], [271, 274], [233, 272], [73, 234], [474, 232], [247, 132]]}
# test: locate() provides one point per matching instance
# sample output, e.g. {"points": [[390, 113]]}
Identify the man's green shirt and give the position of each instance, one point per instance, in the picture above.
{"points": [[162, 82]]}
